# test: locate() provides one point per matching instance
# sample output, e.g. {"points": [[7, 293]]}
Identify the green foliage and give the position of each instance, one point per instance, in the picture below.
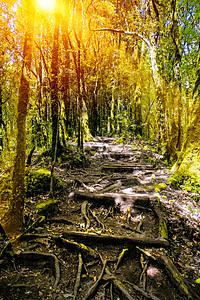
{"points": [[78, 160], [38, 181], [5, 187], [197, 280], [190, 183]]}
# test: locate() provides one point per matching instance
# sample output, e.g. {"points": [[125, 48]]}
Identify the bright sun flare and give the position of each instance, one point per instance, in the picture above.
{"points": [[46, 4]]}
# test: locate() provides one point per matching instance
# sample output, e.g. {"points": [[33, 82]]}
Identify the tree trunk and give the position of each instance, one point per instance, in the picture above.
{"points": [[176, 137], [54, 89], [65, 80], [1, 121], [15, 214], [189, 160], [138, 111]]}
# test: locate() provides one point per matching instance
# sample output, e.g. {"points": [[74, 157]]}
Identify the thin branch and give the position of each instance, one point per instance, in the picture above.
{"points": [[43, 59], [125, 33]]}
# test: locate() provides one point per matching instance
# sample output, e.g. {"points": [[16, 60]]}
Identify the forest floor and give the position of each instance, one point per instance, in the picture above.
{"points": [[117, 231]]}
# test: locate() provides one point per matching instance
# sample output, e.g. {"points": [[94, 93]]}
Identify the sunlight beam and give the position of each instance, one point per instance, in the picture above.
{"points": [[47, 5]]}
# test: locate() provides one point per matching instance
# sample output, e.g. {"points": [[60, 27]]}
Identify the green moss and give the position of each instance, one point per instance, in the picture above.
{"points": [[38, 181], [48, 207], [5, 189], [160, 186], [186, 179], [163, 229]]}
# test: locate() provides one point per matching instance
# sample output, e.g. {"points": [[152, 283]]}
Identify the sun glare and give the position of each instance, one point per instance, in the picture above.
{"points": [[46, 4]]}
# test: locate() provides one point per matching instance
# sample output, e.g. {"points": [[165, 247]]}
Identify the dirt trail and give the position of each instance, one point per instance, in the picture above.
{"points": [[118, 232]]}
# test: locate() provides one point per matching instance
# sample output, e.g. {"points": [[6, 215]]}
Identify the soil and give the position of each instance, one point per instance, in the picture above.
{"points": [[118, 231]]}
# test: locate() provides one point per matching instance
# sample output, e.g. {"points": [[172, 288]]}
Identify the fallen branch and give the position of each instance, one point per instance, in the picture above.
{"points": [[111, 199], [78, 277], [105, 238]]}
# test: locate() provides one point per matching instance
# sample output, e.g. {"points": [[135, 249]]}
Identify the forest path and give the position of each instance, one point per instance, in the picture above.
{"points": [[125, 194], [118, 231]]}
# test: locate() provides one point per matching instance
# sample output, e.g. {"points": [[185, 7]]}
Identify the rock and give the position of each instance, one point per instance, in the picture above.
{"points": [[38, 181], [48, 207]]}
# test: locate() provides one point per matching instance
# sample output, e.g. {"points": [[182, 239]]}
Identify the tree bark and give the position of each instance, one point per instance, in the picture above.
{"points": [[54, 88], [15, 215], [189, 160]]}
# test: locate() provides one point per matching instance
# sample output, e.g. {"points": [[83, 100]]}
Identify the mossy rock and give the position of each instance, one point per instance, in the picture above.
{"points": [[47, 208], [160, 186], [38, 181]]}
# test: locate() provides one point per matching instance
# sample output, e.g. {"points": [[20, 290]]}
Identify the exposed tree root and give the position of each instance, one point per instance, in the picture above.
{"points": [[39, 220], [177, 278], [36, 256], [121, 255], [84, 214], [78, 277], [118, 284], [95, 285], [162, 224], [79, 246], [97, 219], [174, 275], [141, 291]]}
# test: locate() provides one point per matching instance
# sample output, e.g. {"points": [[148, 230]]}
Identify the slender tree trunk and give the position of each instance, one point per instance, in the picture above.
{"points": [[65, 78], [177, 73], [138, 111], [189, 159], [15, 215], [55, 89], [1, 121]]}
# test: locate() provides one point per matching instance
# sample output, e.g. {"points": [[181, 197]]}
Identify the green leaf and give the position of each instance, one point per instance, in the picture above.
{"points": [[197, 281]]}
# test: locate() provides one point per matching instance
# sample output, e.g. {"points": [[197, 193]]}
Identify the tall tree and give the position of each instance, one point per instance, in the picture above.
{"points": [[54, 86], [188, 163], [16, 209]]}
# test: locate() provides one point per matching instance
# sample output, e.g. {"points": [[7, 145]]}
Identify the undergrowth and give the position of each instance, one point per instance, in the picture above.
{"points": [[188, 183]]}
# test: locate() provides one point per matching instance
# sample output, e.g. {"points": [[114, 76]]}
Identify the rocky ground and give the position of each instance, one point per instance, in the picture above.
{"points": [[117, 230]]}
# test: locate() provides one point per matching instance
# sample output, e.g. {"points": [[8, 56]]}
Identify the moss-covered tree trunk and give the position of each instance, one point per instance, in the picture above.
{"points": [[189, 160], [138, 111], [15, 215], [1, 121], [175, 136]]}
